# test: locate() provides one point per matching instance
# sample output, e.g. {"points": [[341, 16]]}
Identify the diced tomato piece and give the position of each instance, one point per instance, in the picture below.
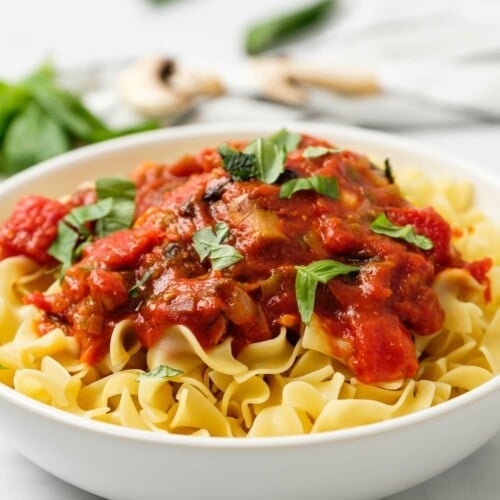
{"points": [[31, 228], [120, 249]]}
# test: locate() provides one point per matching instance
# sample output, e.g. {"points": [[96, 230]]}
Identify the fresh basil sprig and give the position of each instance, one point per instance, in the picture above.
{"points": [[267, 34], [39, 119], [316, 151], [208, 243], [382, 225], [326, 186], [114, 210], [161, 371], [307, 279]]}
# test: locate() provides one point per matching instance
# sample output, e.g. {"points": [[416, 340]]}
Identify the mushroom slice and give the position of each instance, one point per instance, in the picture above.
{"points": [[155, 87]]}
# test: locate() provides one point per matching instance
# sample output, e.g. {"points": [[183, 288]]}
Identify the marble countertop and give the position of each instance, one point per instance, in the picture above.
{"points": [[75, 32]]}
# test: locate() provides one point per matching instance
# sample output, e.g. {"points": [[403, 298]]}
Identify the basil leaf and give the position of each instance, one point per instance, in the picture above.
{"points": [[79, 216], [13, 100], [113, 211], [326, 186], [241, 166], [208, 244], [267, 34], [316, 151], [62, 248], [161, 371], [31, 137], [287, 140], [121, 215], [269, 159], [307, 280], [382, 225], [134, 291]]}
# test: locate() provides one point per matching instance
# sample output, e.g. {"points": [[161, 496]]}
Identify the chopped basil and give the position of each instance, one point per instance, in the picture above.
{"points": [[241, 166], [316, 151], [134, 291], [382, 225], [208, 244], [262, 159], [270, 159], [326, 186], [161, 371], [285, 139], [114, 210], [389, 175], [307, 280]]}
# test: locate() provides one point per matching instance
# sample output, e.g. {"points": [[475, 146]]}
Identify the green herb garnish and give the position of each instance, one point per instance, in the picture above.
{"points": [[267, 34], [114, 210], [326, 186], [241, 166], [307, 280], [382, 225], [161, 371], [134, 290], [208, 243], [262, 159], [39, 120], [287, 140], [316, 151]]}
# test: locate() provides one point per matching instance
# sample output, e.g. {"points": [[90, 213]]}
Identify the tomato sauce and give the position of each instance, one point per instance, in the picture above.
{"points": [[369, 316]]}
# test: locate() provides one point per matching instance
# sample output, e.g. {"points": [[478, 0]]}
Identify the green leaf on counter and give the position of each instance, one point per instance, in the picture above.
{"points": [[267, 34], [39, 120], [31, 137]]}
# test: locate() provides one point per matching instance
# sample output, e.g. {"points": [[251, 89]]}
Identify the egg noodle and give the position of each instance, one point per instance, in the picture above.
{"points": [[271, 388]]}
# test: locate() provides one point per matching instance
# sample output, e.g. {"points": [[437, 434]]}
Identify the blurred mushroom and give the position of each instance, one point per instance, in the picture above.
{"points": [[155, 87], [289, 80]]}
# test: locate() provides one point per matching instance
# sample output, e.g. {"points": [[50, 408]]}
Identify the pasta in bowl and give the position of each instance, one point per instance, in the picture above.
{"points": [[275, 285]]}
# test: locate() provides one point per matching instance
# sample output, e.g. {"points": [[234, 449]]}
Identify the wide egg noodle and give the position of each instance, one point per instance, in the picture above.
{"points": [[270, 388]]}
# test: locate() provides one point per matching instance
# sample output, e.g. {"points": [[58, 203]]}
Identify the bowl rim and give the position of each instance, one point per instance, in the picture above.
{"points": [[405, 145]]}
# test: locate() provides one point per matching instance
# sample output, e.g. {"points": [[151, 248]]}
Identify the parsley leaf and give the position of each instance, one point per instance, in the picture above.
{"points": [[382, 225], [161, 371], [307, 280], [326, 186], [316, 151], [208, 243]]}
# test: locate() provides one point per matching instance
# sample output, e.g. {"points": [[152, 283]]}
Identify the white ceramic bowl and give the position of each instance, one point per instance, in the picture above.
{"points": [[361, 463]]}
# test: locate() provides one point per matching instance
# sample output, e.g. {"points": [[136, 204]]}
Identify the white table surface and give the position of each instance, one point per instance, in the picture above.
{"points": [[77, 32]]}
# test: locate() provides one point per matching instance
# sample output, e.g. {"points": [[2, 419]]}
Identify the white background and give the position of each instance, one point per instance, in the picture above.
{"points": [[75, 33]]}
